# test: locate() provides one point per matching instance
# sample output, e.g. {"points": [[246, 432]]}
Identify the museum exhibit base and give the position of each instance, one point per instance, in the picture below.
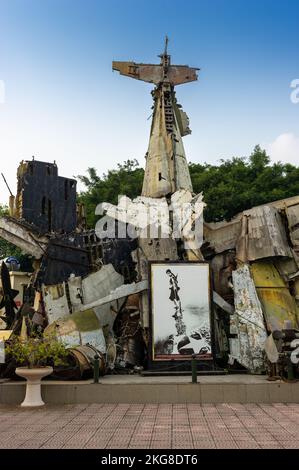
{"points": [[229, 388]]}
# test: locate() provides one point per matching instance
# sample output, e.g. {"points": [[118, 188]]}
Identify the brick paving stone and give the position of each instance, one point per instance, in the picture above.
{"points": [[247, 445], [226, 445], [163, 426], [290, 445]]}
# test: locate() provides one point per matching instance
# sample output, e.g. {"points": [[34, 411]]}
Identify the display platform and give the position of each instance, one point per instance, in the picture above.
{"points": [[240, 388]]}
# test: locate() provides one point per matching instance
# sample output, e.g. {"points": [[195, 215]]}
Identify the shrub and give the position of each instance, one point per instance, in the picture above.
{"points": [[36, 352]]}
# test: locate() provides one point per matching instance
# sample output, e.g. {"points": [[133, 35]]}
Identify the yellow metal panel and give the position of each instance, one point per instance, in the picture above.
{"points": [[275, 297], [266, 275], [278, 306], [5, 334]]}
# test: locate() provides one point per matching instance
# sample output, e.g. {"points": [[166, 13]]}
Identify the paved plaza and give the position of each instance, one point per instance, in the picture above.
{"points": [[177, 426]]}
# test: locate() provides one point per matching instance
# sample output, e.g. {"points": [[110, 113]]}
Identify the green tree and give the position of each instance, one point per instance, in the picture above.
{"points": [[234, 185], [125, 180], [241, 183]]}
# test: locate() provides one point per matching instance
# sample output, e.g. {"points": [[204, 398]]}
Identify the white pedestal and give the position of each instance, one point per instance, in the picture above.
{"points": [[33, 388]]}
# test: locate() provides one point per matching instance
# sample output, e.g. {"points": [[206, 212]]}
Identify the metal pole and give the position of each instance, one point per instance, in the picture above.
{"points": [[96, 369], [194, 369], [6, 184], [290, 369]]}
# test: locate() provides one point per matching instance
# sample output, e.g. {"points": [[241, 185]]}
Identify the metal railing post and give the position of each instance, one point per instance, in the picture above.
{"points": [[194, 369], [96, 369]]}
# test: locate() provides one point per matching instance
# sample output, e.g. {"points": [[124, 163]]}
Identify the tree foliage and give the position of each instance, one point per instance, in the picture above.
{"points": [[6, 248], [241, 183], [232, 186], [125, 180]]}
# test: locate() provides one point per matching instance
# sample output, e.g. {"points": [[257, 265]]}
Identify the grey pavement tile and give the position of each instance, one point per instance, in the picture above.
{"points": [[179, 426]]}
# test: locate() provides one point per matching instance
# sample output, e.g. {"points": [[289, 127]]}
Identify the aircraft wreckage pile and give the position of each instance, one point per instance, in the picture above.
{"points": [[91, 290]]}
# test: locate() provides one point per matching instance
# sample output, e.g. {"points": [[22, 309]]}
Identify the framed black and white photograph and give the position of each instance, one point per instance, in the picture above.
{"points": [[180, 310]]}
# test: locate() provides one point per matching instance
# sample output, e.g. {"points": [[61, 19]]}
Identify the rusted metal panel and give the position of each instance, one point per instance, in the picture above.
{"points": [[261, 225], [79, 329], [97, 286], [158, 249], [23, 237], [293, 219], [56, 302], [286, 267], [78, 294], [266, 275], [281, 204], [181, 170], [166, 166], [262, 235], [182, 121], [187, 222], [75, 292], [222, 236], [278, 303], [159, 178], [101, 283], [117, 294], [292, 212], [247, 323], [295, 284]]}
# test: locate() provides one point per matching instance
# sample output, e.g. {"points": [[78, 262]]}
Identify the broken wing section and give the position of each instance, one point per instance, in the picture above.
{"points": [[153, 73], [150, 73], [179, 74]]}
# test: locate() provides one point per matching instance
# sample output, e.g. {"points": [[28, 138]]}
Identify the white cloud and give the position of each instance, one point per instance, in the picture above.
{"points": [[284, 148]]}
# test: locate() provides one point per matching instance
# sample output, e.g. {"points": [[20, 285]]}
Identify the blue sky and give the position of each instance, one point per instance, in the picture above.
{"points": [[62, 101]]}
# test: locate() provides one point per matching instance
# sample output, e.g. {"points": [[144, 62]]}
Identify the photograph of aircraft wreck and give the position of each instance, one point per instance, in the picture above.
{"points": [[149, 303]]}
